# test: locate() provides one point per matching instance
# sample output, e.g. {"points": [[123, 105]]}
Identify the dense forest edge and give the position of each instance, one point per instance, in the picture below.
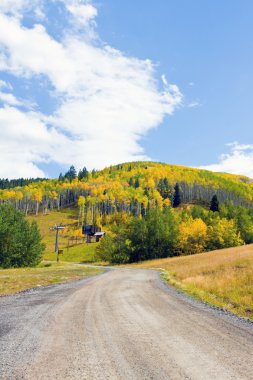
{"points": [[150, 209]]}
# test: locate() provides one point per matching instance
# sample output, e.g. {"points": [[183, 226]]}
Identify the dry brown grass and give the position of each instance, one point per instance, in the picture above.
{"points": [[223, 278], [16, 280]]}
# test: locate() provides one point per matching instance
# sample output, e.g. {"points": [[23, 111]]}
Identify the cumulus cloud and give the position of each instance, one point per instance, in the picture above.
{"points": [[105, 101], [238, 161], [21, 135]]}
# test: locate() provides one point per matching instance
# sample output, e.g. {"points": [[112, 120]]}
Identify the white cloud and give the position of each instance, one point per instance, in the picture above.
{"points": [[17, 8], [194, 104], [9, 99], [26, 141], [106, 100], [12, 6], [21, 140], [83, 13], [164, 79], [238, 161]]}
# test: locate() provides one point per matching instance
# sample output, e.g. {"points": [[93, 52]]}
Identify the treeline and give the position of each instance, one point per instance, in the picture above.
{"points": [[71, 174], [6, 183], [172, 232]]}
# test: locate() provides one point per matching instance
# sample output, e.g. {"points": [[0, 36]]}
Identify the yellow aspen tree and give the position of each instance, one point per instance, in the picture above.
{"points": [[192, 236], [36, 196], [81, 205]]}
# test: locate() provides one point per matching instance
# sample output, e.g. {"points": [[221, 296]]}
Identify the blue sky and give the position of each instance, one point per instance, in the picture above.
{"points": [[205, 43], [99, 82]]}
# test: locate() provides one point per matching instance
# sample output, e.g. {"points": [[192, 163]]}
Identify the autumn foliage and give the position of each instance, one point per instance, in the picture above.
{"points": [[131, 187]]}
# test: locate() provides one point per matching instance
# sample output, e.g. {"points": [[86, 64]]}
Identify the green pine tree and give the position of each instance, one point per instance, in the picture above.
{"points": [[214, 206], [177, 196]]}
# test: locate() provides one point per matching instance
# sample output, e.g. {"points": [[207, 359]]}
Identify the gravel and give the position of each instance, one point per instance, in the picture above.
{"points": [[124, 324]]}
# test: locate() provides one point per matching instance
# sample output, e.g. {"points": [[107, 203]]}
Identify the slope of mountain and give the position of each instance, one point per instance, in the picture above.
{"points": [[132, 187]]}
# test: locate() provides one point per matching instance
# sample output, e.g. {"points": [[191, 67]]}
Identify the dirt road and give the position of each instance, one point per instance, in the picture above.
{"points": [[125, 324]]}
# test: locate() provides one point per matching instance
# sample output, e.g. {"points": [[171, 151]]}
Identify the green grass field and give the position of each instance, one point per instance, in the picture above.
{"points": [[16, 280], [79, 253], [223, 278]]}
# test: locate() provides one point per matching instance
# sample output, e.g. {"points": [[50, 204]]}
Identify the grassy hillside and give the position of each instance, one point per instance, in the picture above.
{"points": [[223, 278], [78, 253]]}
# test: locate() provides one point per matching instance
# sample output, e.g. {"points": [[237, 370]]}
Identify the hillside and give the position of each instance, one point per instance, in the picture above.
{"points": [[71, 240], [150, 210], [131, 187], [223, 278]]}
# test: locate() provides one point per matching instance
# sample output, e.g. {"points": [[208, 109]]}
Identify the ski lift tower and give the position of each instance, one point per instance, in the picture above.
{"points": [[57, 229]]}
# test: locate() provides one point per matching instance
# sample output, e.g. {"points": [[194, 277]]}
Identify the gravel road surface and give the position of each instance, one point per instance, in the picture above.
{"points": [[124, 324]]}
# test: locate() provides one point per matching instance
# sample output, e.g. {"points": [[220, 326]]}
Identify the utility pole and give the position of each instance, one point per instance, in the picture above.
{"points": [[56, 246]]}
